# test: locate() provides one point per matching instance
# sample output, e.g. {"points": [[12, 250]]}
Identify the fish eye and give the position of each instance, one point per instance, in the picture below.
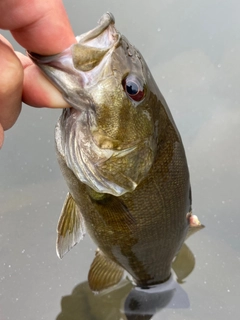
{"points": [[133, 88]]}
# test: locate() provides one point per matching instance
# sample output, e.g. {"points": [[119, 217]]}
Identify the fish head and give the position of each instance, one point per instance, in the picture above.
{"points": [[109, 137]]}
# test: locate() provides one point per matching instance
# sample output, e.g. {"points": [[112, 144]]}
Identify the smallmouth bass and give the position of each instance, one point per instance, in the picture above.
{"points": [[122, 158]]}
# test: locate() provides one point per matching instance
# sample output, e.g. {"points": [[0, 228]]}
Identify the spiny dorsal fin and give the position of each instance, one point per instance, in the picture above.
{"points": [[103, 273], [71, 228]]}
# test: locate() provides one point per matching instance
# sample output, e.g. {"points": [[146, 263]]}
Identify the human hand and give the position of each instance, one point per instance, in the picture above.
{"points": [[41, 27]]}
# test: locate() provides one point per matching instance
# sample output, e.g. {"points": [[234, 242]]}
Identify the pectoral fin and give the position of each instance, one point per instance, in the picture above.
{"points": [[71, 228], [103, 273]]}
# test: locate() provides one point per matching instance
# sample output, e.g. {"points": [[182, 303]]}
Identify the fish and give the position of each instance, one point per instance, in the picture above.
{"points": [[123, 160]]}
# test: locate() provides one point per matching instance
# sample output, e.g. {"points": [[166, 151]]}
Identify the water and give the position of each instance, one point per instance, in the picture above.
{"points": [[193, 51]]}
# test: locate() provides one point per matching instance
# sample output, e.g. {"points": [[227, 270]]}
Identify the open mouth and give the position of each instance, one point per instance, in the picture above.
{"points": [[74, 68]]}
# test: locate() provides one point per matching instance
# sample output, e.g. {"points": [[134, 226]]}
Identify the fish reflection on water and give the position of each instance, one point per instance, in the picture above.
{"points": [[123, 160], [125, 301]]}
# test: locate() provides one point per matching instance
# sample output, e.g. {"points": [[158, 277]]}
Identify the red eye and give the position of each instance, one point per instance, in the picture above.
{"points": [[133, 88]]}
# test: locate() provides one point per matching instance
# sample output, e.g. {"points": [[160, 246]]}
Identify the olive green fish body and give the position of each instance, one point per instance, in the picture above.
{"points": [[142, 230], [122, 157]]}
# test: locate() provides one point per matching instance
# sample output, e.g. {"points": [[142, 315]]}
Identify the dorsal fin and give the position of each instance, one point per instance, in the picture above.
{"points": [[71, 227], [103, 272]]}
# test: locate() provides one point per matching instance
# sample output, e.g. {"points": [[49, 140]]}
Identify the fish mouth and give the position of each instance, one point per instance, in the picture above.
{"points": [[103, 36], [74, 69]]}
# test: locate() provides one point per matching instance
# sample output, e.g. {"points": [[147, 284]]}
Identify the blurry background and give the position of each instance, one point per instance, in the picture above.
{"points": [[193, 51]]}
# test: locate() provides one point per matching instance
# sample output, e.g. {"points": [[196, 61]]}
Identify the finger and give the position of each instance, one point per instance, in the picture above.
{"points": [[37, 90], [4, 40], [11, 82], [39, 26]]}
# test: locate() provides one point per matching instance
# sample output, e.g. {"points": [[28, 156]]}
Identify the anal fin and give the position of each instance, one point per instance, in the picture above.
{"points": [[184, 263], [103, 273], [71, 227]]}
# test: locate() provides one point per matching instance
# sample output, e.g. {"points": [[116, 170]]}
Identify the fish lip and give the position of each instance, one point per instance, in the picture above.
{"points": [[104, 22], [108, 15]]}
